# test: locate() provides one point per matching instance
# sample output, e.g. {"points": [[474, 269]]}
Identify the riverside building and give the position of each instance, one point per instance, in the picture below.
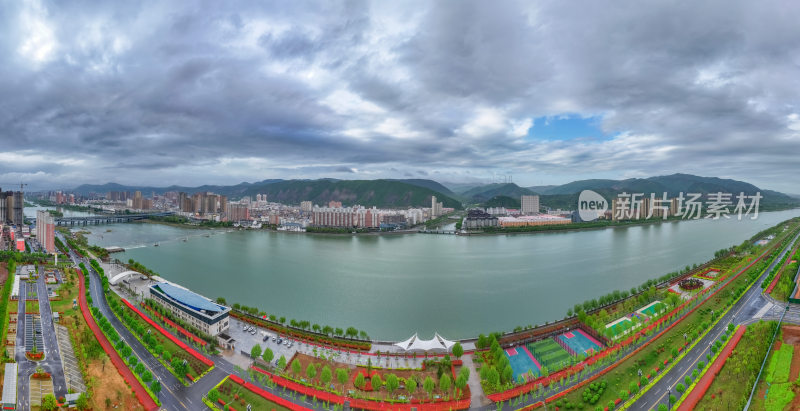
{"points": [[194, 309], [345, 217], [529, 205]]}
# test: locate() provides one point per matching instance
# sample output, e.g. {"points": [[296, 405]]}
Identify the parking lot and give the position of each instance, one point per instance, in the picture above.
{"points": [[72, 372], [245, 340], [33, 333]]}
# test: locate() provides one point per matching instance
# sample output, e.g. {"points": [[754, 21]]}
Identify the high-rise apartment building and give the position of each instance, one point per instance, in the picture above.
{"points": [[436, 207], [46, 230], [237, 212], [11, 207], [137, 200], [223, 204], [306, 206], [529, 205]]}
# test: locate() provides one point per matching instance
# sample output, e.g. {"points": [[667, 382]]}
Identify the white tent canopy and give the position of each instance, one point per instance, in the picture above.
{"points": [[414, 343]]}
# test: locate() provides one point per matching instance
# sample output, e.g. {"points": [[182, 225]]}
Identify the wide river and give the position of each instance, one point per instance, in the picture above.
{"points": [[395, 285]]}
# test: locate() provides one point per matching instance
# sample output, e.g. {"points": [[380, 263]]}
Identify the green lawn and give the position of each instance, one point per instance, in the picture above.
{"points": [[779, 364], [780, 392], [779, 396], [67, 292]]}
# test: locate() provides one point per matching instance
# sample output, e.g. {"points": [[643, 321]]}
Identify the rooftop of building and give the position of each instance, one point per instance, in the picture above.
{"points": [[188, 298], [537, 217]]}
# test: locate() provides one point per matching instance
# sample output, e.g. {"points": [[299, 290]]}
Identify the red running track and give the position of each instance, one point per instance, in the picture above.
{"points": [[124, 371], [705, 381]]}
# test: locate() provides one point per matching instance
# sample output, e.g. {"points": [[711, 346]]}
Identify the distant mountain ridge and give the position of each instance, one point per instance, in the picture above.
{"points": [[671, 184], [566, 195], [485, 192], [379, 193], [418, 192]]}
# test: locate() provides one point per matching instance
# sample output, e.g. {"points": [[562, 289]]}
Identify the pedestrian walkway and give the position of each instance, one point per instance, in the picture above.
{"points": [[474, 382]]}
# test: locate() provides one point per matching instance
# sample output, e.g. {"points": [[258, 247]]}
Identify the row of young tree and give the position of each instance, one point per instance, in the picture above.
{"points": [[122, 348], [391, 382], [349, 332]]}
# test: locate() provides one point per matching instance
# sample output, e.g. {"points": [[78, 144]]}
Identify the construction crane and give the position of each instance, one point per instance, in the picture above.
{"points": [[21, 185]]}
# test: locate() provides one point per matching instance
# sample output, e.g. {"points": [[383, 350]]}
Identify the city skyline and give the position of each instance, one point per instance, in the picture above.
{"points": [[455, 92]]}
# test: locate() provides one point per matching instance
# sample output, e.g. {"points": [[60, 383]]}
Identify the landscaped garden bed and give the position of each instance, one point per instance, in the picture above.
{"points": [[160, 315], [782, 286], [32, 306], [435, 381], [690, 284], [166, 348]]}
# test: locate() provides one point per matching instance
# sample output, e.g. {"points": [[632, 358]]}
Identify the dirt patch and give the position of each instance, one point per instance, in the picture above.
{"points": [[3, 272], [109, 385], [791, 334]]}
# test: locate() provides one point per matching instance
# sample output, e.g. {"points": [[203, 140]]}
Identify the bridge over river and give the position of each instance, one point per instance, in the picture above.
{"points": [[107, 218]]}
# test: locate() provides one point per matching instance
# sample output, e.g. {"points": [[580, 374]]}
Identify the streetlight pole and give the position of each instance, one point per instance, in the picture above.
{"points": [[669, 396]]}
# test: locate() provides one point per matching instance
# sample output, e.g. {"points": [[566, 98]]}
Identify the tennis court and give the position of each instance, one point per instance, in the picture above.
{"points": [[652, 309], [619, 327], [522, 362], [550, 354], [580, 342]]}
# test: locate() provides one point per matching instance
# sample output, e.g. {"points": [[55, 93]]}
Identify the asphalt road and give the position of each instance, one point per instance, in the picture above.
{"points": [[169, 400], [52, 358], [743, 312]]}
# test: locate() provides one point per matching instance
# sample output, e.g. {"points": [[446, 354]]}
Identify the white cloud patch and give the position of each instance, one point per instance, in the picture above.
{"points": [[38, 41], [362, 88]]}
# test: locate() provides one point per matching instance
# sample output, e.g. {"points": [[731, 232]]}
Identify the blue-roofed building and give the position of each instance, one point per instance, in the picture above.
{"points": [[194, 309]]}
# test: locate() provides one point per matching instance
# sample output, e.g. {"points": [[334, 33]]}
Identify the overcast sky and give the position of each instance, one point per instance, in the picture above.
{"points": [[221, 92]]}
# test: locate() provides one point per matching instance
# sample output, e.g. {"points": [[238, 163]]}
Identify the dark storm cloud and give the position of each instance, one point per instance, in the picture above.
{"points": [[209, 92]]}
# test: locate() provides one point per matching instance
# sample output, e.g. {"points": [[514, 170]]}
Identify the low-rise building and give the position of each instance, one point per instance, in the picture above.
{"points": [[10, 387], [477, 218], [533, 220], [194, 309]]}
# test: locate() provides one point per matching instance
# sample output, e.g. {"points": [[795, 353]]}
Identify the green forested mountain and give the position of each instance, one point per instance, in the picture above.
{"points": [[566, 195], [503, 201], [482, 193], [380, 193]]}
